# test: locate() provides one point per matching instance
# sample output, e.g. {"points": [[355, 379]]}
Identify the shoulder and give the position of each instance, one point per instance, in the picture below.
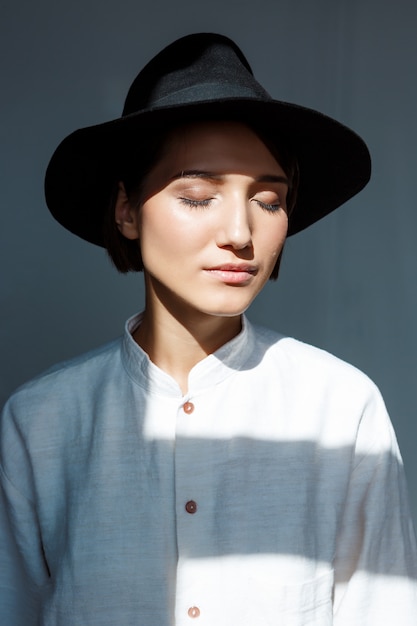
{"points": [[50, 417], [66, 379], [310, 366], [321, 390]]}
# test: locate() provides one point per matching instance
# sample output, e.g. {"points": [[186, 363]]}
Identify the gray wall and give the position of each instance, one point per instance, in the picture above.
{"points": [[348, 284]]}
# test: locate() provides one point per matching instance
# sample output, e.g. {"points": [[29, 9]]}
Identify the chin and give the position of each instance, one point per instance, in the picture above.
{"points": [[228, 311]]}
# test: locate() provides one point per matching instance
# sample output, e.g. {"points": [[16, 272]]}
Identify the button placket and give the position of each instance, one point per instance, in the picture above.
{"points": [[187, 484]]}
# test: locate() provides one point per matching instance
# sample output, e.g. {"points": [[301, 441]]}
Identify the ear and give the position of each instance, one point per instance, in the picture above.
{"points": [[126, 216]]}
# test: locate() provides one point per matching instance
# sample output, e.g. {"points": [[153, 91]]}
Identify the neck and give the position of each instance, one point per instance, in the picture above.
{"points": [[176, 343]]}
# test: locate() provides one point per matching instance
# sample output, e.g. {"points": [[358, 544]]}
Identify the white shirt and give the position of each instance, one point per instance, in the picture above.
{"points": [[271, 494]]}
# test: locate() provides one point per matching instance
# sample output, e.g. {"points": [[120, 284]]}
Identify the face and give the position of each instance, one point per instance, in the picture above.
{"points": [[212, 222]]}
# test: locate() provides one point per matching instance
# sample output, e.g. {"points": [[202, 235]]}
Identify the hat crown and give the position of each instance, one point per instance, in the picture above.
{"points": [[195, 68]]}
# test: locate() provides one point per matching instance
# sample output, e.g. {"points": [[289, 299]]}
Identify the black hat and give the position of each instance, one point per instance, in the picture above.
{"points": [[203, 76]]}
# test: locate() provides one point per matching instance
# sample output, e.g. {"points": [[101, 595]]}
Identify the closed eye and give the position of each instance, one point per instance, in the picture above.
{"points": [[269, 207], [196, 204]]}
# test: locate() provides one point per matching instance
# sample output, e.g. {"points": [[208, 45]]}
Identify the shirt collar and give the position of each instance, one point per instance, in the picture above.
{"points": [[212, 370]]}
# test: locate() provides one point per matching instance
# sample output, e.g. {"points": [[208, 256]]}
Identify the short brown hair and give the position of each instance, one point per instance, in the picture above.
{"points": [[133, 169]]}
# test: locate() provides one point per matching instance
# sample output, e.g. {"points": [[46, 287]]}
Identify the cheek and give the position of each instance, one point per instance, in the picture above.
{"points": [[273, 237], [170, 233]]}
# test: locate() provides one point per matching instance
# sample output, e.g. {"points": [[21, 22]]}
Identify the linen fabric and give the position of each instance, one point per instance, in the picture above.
{"points": [[272, 493]]}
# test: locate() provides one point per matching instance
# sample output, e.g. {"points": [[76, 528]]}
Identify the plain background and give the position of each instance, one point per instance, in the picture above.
{"points": [[348, 284]]}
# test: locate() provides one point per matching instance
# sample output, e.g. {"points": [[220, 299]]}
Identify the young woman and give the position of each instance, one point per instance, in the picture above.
{"points": [[200, 468]]}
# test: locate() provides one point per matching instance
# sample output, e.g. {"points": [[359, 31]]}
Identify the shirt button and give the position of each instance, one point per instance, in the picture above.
{"points": [[188, 407], [194, 611], [191, 507]]}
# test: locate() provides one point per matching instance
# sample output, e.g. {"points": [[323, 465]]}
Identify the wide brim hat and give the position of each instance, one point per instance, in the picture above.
{"points": [[198, 77]]}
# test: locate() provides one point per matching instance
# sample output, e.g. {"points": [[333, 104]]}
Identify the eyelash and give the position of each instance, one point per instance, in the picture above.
{"points": [[196, 204], [272, 208], [203, 204]]}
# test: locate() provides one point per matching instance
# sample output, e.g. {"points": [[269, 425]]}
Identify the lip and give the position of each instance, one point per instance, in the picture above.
{"points": [[233, 273]]}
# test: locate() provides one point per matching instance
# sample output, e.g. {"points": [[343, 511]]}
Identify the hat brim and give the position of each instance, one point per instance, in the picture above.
{"points": [[334, 162]]}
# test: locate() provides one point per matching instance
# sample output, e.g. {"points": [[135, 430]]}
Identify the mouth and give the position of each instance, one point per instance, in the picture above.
{"points": [[232, 273]]}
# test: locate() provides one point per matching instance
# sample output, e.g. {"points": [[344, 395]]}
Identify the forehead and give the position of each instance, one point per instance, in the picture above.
{"points": [[219, 147]]}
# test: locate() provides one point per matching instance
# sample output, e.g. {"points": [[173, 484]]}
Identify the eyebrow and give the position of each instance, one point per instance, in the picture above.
{"points": [[266, 178]]}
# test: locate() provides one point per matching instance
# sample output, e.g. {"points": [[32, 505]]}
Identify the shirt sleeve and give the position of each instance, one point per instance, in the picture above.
{"points": [[22, 567], [376, 560]]}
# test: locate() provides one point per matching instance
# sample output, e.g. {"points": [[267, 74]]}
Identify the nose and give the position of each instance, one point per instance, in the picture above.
{"points": [[235, 229]]}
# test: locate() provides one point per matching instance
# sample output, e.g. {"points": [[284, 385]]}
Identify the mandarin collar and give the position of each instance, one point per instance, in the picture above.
{"points": [[210, 371]]}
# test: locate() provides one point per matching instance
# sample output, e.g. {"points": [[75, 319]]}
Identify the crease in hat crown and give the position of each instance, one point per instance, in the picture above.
{"points": [[195, 68]]}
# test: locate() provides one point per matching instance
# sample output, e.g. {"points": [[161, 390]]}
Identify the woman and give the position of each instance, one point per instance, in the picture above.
{"points": [[200, 467]]}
